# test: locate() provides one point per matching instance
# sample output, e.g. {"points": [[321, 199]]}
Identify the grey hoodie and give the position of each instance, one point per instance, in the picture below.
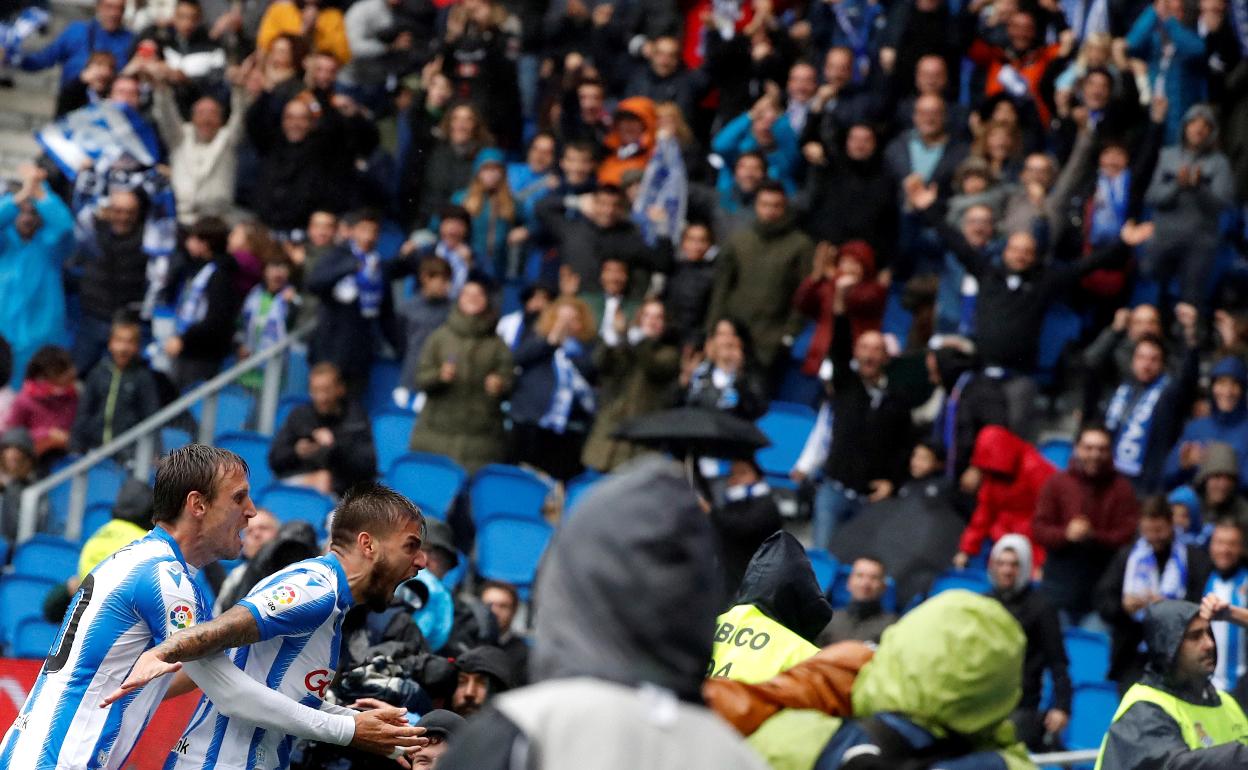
{"points": [[1186, 213]]}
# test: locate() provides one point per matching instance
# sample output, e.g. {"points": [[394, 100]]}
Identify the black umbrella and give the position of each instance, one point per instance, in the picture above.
{"points": [[690, 431], [915, 538]]}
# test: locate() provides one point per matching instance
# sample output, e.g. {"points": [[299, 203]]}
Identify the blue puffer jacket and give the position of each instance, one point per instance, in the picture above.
{"points": [[1227, 427]]}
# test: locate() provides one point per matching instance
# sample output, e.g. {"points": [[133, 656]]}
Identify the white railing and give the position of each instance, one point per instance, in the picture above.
{"points": [[144, 436], [1065, 758]]}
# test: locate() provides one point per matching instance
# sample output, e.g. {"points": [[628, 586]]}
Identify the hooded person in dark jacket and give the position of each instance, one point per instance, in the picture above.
{"points": [[778, 612], [1218, 483], [1227, 422], [1174, 718], [1009, 568], [623, 633], [744, 519]]}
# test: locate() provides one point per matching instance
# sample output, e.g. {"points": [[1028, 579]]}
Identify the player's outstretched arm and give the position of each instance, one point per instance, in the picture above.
{"points": [[235, 628], [238, 696]]}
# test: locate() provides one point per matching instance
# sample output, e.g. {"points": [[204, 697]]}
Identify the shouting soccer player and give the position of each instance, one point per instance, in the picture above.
{"points": [[286, 633], [139, 597]]}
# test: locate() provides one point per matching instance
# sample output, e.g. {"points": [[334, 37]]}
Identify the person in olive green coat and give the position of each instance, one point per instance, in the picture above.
{"points": [[465, 372], [638, 378], [757, 273]]}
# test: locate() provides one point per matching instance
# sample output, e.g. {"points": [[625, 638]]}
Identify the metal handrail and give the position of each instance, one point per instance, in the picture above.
{"points": [[143, 435], [1065, 758]]}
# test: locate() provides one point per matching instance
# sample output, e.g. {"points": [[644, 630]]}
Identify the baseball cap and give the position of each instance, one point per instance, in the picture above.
{"points": [[441, 723]]}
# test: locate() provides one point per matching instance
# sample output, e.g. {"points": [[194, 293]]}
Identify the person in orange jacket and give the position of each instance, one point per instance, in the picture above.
{"points": [[631, 141]]}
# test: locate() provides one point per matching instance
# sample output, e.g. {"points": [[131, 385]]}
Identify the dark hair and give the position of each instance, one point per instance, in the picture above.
{"points": [[326, 367], [933, 446], [543, 134], [755, 154], [125, 319], [1099, 71], [502, 586], [770, 186], [1156, 507], [452, 211], [609, 189], [373, 508], [1151, 339], [211, 230], [433, 267], [192, 468], [364, 215], [870, 557], [6, 360], [596, 82], [580, 146], [48, 361], [1094, 427]]}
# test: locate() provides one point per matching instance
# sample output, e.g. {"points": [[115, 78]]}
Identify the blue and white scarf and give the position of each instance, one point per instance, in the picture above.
{"points": [[1239, 21], [193, 304], [665, 185], [949, 423], [263, 329], [1132, 424], [570, 388], [856, 20], [369, 282], [1142, 577], [13, 33], [459, 268], [1109, 208], [1086, 17], [1232, 650]]}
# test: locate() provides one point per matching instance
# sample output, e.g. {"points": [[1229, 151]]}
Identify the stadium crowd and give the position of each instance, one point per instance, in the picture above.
{"points": [[951, 228]]}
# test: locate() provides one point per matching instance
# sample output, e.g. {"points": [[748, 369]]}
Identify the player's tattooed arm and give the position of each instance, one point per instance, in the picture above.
{"points": [[235, 628]]}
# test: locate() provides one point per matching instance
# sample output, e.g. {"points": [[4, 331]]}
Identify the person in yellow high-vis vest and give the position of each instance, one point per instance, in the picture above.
{"points": [[1174, 718], [777, 613]]}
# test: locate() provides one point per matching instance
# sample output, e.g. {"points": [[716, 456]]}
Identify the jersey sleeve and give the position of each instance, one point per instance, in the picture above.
{"points": [[167, 599], [291, 603]]}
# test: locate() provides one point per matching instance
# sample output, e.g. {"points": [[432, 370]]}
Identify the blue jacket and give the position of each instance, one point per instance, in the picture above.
{"points": [[33, 312], [74, 46], [735, 139], [1184, 79], [1226, 427]]}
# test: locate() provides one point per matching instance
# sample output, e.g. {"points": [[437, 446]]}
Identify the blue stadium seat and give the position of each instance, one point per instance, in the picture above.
{"points": [[295, 379], [1062, 326], [46, 556], [510, 547], [291, 503], [383, 378], [431, 481], [285, 405], [4, 552], [173, 438], [1088, 652], [1092, 710], [825, 566], [975, 581], [392, 433], [1057, 451], [104, 481], [33, 638], [96, 516], [21, 597], [787, 426], [252, 447], [234, 406], [506, 489], [577, 487]]}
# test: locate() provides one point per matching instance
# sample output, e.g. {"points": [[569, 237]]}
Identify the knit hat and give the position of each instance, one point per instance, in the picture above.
{"points": [[489, 155], [18, 438], [1231, 366]]}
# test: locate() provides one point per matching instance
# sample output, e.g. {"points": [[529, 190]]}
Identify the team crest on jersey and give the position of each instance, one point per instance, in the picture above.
{"points": [[281, 597], [181, 617]]}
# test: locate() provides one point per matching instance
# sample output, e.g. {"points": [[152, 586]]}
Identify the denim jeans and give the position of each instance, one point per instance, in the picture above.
{"points": [[833, 505]]}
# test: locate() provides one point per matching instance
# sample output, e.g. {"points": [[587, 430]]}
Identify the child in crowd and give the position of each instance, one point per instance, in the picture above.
{"points": [[119, 393], [420, 315], [269, 312], [47, 402]]}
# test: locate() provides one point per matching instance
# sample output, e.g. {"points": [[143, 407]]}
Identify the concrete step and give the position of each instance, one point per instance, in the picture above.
{"points": [[16, 148]]}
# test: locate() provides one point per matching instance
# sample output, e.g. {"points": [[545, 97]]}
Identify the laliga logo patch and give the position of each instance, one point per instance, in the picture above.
{"points": [[281, 598], [181, 617]]}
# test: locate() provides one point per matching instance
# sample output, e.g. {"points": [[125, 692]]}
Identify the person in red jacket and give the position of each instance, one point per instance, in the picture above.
{"points": [[841, 278], [48, 402], [1084, 515], [1012, 473]]}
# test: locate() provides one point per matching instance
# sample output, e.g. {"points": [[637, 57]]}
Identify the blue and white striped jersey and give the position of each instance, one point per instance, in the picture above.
{"points": [[130, 602], [299, 611]]}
